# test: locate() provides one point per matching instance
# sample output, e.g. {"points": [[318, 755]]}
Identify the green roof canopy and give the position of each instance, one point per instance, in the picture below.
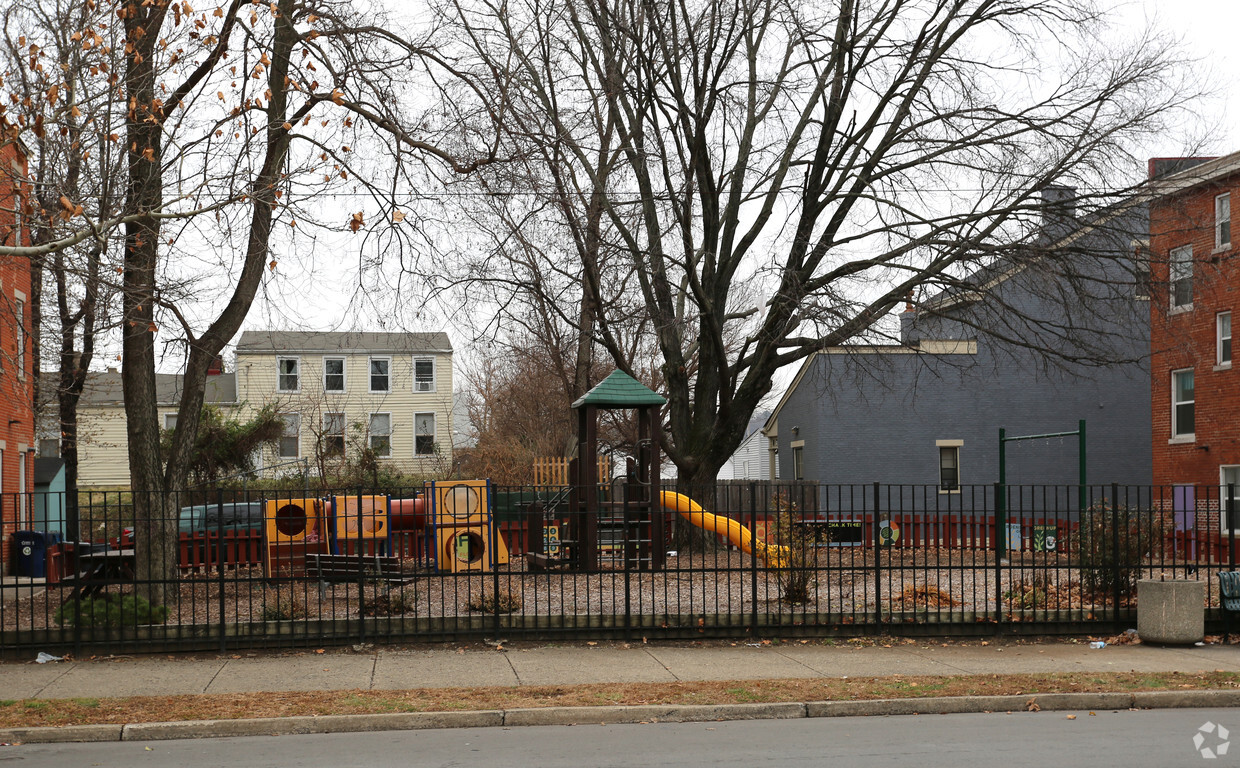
{"points": [[619, 390]]}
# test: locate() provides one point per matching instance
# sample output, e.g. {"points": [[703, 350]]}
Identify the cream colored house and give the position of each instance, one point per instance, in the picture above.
{"points": [[342, 391], [103, 443]]}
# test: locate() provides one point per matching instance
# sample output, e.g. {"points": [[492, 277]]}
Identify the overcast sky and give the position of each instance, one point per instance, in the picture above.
{"points": [[1207, 29]]}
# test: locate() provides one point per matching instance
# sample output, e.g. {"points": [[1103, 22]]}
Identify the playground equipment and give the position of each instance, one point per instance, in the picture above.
{"points": [[360, 519], [462, 528], [292, 528], [736, 534]]}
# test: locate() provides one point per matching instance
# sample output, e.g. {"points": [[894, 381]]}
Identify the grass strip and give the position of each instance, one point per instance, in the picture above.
{"points": [[143, 709]]}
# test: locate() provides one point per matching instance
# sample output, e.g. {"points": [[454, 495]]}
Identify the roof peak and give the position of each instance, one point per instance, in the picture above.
{"points": [[620, 390]]}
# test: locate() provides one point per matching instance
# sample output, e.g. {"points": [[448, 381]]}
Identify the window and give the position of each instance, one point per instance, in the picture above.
{"points": [[288, 374], [1222, 221], [290, 441], [21, 338], [1182, 404], [49, 447], [949, 468], [1229, 478], [380, 380], [1222, 326], [423, 374], [798, 462], [423, 434], [333, 374], [381, 434], [1182, 278], [333, 434], [170, 421]]}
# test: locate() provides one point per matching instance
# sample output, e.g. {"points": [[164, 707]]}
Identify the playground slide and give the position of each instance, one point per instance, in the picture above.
{"points": [[736, 534]]}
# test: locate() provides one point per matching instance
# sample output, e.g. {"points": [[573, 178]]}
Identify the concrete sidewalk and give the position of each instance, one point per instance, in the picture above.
{"points": [[540, 664]]}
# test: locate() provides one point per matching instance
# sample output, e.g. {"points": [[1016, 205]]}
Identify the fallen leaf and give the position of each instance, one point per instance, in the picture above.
{"points": [[1071, 717], [320, 650]]}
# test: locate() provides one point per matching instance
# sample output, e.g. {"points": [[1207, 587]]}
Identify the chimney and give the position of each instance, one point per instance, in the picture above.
{"points": [[216, 367], [910, 334]]}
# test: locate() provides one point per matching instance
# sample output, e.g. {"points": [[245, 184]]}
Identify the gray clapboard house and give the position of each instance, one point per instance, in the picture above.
{"points": [[926, 411]]}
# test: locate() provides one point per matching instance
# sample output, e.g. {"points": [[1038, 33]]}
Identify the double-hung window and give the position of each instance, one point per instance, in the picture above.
{"points": [[288, 374], [424, 434], [333, 374], [1222, 222], [333, 434], [1229, 476], [380, 374], [381, 434], [949, 465], [1182, 277], [1222, 326], [423, 374], [290, 440], [1183, 405]]}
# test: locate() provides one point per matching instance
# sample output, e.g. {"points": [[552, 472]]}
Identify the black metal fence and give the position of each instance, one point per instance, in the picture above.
{"points": [[230, 570]]}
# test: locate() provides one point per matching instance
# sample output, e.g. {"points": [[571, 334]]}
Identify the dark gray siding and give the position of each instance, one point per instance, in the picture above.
{"points": [[873, 414]]}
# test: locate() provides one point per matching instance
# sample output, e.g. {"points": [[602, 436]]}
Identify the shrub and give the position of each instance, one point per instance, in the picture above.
{"points": [[795, 575], [284, 608], [109, 610], [502, 602], [393, 603], [1111, 544]]}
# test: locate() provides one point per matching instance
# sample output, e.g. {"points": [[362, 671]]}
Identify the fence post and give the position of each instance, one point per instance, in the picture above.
{"points": [[361, 573], [494, 561], [878, 571], [1000, 554], [219, 508], [1230, 506], [1116, 566], [753, 556]]}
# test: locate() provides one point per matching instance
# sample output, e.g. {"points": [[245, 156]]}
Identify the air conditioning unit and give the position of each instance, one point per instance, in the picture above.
{"points": [[424, 386]]}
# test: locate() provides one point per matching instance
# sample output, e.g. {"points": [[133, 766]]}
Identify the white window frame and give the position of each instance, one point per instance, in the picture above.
{"points": [[170, 417], [434, 432], [19, 304], [798, 459], [371, 434], [1222, 493], [1222, 338], [416, 382], [954, 447], [296, 361], [344, 374], [325, 435], [1180, 261], [1222, 221], [1176, 436], [370, 376], [296, 421]]}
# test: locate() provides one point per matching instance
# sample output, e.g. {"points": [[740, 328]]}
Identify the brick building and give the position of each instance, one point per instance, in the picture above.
{"points": [[16, 394], [1195, 280]]}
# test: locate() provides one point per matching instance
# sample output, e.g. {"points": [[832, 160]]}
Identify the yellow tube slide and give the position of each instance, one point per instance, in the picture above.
{"points": [[736, 534]]}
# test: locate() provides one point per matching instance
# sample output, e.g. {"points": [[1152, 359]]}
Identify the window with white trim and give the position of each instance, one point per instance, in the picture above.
{"points": [[1222, 221], [424, 434], [1229, 493], [798, 462], [288, 374], [170, 421], [423, 374], [1181, 276], [949, 468], [20, 307], [1183, 404], [333, 374], [333, 434], [380, 374], [1222, 333], [381, 434], [49, 448], [290, 440]]}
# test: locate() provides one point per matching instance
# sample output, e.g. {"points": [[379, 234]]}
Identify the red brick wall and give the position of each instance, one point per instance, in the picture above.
{"points": [[16, 396], [1187, 339]]}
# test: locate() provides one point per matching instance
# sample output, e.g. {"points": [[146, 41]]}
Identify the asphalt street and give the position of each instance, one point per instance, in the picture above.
{"points": [[1131, 739]]}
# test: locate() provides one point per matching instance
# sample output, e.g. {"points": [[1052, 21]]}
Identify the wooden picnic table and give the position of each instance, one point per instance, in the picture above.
{"points": [[96, 570]]}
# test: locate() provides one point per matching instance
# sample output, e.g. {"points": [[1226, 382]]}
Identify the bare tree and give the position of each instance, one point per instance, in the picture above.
{"points": [[833, 158], [73, 115], [237, 119]]}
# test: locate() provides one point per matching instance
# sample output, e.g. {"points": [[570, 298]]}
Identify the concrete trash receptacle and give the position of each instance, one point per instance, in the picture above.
{"points": [[1171, 612]]}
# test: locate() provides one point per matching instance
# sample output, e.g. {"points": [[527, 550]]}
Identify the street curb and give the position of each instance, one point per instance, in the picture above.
{"points": [[649, 713], [652, 713]]}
